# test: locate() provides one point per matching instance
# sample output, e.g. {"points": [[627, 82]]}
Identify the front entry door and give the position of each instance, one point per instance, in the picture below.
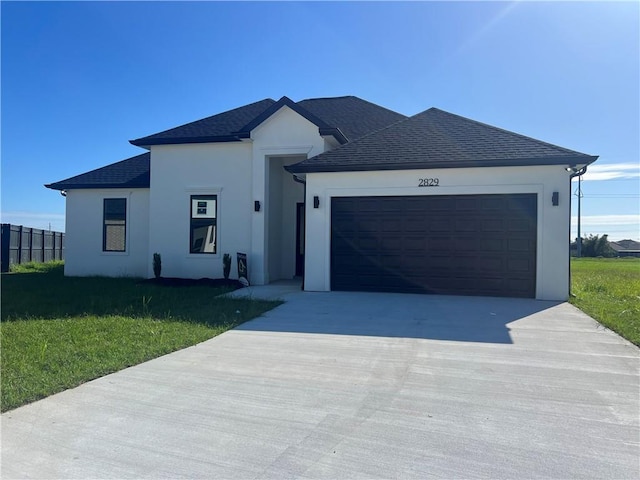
{"points": [[299, 239]]}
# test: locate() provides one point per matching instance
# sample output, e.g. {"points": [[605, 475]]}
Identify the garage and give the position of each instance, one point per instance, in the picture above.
{"points": [[440, 204], [441, 244]]}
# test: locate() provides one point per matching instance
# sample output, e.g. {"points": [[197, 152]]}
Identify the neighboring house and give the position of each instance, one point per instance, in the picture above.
{"points": [[348, 194], [626, 248]]}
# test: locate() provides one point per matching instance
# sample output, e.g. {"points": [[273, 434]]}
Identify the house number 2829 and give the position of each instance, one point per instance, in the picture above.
{"points": [[428, 182]]}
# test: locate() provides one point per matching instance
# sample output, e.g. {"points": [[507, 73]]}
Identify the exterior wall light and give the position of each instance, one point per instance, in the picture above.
{"points": [[256, 206], [316, 201], [555, 199]]}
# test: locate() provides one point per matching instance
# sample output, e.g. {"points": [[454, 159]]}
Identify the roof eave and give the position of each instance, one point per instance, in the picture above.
{"points": [[586, 160], [146, 143], [92, 186], [333, 132]]}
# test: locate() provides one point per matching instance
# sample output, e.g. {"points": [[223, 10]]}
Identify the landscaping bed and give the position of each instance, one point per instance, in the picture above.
{"points": [[191, 282]]}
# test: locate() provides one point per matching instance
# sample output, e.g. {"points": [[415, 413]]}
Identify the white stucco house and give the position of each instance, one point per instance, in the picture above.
{"points": [[341, 192]]}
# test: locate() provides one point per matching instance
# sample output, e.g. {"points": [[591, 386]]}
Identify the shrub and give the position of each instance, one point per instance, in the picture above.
{"points": [[157, 265], [597, 246], [226, 265]]}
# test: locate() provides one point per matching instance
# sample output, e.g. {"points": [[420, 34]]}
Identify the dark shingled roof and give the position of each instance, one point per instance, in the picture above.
{"points": [[373, 138], [218, 128], [130, 173], [352, 115], [438, 139], [347, 118]]}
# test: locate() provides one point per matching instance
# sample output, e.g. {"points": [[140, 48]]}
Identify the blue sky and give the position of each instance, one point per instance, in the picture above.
{"points": [[81, 79]]}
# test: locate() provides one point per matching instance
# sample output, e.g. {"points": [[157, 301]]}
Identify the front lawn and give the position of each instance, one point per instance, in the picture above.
{"points": [[59, 332], [608, 289]]}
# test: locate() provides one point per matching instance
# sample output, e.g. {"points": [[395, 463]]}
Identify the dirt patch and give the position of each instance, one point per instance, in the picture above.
{"points": [[193, 282]]}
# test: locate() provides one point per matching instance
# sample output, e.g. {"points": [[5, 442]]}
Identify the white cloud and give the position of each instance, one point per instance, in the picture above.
{"points": [[611, 171], [607, 219], [617, 227]]}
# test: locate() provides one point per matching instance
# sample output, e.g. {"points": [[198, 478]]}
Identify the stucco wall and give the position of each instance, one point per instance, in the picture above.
{"points": [[284, 134], [552, 272], [84, 222], [179, 171]]}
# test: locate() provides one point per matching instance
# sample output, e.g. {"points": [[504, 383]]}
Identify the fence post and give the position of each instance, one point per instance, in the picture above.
{"points": [[6, 242], [20, 227]]}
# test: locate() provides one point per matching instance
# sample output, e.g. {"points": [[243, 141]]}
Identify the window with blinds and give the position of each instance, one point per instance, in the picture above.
{"points": [[114, 229]]}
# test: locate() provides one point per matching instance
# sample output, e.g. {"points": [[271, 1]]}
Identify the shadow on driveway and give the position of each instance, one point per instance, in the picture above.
{"points": [[435, 317]]}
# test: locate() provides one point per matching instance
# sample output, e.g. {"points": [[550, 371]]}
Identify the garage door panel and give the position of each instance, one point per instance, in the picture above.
{"points": [[364, 204], [413, 204], [515, 226], [437, 204], [439, 244], [496, 225], [368, 226], [519, 265], [393, 205], [526, 204], [391, 225], [516, 245], [439, 225], [489, 204], [414, 244], [490, 264], [411, 226], [490, 245], [465, 203], [469, 244], [465, 244], [465, 225]]}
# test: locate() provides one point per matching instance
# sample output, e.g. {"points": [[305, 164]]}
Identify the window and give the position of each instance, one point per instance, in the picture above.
{"points": [[114, 228], [203, 223]]}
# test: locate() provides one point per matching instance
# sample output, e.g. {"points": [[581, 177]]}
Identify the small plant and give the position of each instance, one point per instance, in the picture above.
{"points": [[145, 305], [157, 265], [226, 264]]}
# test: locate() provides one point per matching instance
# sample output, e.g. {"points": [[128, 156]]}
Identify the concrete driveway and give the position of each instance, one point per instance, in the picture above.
{"points": [[355, 385]]}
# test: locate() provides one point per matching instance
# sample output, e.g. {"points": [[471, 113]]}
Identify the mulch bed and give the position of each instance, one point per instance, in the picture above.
{"points": [[193, 282]]}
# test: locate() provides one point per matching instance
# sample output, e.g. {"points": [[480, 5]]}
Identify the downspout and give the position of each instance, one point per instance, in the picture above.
{"points": [[575, 173]]}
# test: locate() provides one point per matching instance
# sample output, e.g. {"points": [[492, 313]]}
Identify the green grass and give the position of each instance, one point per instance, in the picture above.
{"points": [[58, 332], [608, 289]]}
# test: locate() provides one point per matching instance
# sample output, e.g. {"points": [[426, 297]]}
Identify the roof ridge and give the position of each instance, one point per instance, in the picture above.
{"points": [[276, 106], [493, 127], [326, 98]]}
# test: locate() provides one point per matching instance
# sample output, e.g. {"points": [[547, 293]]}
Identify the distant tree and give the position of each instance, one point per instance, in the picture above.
{"points": [[597, 246]]}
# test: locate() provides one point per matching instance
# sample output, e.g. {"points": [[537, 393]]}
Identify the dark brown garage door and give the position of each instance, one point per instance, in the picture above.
{"points": [[445, 244]]}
